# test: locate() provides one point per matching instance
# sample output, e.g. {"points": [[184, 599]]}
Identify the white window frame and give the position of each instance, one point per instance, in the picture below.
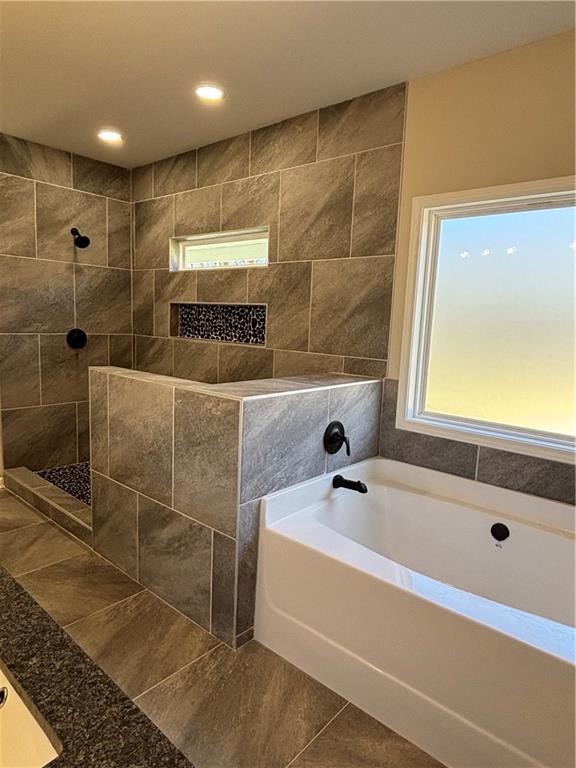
{"points": [[427, 214], [179, 244]]}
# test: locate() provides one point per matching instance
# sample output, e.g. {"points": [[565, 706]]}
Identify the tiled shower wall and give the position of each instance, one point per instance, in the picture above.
{"points": [[326, 182], [47, 287], [178, 470]]}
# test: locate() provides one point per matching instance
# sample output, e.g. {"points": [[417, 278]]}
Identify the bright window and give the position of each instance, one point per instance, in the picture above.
{"points": [[489, 356], [220, 250]]}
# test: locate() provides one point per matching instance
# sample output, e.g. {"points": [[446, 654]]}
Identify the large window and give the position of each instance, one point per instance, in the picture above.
{"points": [[489, 354]]}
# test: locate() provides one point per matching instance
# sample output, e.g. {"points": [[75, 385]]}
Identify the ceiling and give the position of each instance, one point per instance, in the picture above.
{"points": [[70, 68]]}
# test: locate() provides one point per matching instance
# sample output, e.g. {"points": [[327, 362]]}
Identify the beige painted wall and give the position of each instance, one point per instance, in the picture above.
{"points": [[501, 120]]}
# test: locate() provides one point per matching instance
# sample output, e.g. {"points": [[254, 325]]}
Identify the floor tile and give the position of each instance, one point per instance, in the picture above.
{"points": [[240, 709], [34, 547], [140, 641], [14, 514], [77, 587], [354, 739]]}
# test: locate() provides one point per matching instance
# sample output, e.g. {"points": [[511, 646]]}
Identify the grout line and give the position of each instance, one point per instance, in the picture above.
{"points": [[28, 525], [173, 441], [39, 374], [310, 307], [211, 580], [249, 154], [101, 610], [316, 736], [353, 203], [56, 562], [77, 436], [35, 184], [107, 232], [138, 538], [477, 463], [317, 134], [189, 664]]}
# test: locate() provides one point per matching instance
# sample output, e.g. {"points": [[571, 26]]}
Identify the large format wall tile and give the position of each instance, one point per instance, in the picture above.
{"points": [[241, 709], [223, 587], [284, 145], [286, 290], [224, 161], [25, 158], [115, 523], [248, 529], [253, 203], [274, 457], [422, 450], [99, 421], [528, 474], [358, 408], [121, 351], [19, 370], [103, 299], [153, 355], [359, 366], [298, 363], [141, 448], [58, 210], [119, 237], [35, 296], [239, 363], [196, 360], [83, 425], [153, 227], [65, 370], [50, 436], [17, 219], [351, 302], [143, 302], [223, 286], [175, 559], [101, 178], [376, 201], [142, 180], [369, 121], [316, 211], [170, 287], [206, 448], [197, 212], [175, 174]]}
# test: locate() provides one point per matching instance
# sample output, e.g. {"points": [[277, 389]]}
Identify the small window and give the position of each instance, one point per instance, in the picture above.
{"points": [[220, 250], [489, 354]]}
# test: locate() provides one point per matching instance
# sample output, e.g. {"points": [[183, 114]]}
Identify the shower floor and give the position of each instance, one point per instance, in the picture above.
{"points": [[72, 478]]}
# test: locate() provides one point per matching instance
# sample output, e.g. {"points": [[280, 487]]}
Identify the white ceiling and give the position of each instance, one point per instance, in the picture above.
{"points": [[70, 68]]}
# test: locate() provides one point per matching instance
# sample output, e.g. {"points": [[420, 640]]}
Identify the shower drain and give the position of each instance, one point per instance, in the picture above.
{"points": [[3, 696]]}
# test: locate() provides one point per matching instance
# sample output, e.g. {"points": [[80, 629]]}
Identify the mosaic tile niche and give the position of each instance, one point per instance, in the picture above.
{"points": [[240, 323]]}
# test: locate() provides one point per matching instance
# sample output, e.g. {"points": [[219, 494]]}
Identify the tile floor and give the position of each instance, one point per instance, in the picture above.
{"points": [[222, 708]]}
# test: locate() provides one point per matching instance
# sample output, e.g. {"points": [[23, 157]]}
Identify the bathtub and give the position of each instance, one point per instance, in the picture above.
{"points": [[26, 741], [402, 601]]}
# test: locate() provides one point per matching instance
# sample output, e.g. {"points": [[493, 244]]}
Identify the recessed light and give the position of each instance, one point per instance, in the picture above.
{"points": [[110, 137], [209, 93]]}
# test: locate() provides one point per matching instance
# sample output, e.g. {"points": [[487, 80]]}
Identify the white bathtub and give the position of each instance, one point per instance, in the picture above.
{"points": [[403, 602]]}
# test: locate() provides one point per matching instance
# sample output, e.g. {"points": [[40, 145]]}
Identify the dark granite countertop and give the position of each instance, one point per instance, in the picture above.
{"points": [[97, 724]]}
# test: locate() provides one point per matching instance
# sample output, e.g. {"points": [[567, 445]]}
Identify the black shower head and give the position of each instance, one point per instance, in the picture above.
{"points": [[80, 241]]}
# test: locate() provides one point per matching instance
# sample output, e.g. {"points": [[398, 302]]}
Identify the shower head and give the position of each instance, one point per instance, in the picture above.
{"points": [[80, 241]]}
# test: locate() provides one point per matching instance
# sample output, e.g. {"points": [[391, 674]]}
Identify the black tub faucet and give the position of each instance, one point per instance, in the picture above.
{"points": [[353, 485]]}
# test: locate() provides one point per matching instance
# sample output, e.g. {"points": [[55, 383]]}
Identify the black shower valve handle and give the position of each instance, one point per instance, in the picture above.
{"points": [[335, 437]]}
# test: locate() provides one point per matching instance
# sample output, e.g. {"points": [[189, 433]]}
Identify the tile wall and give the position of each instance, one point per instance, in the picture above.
{"points": [[515, 471], [178, 470], [326, 183], [48, 287]]}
